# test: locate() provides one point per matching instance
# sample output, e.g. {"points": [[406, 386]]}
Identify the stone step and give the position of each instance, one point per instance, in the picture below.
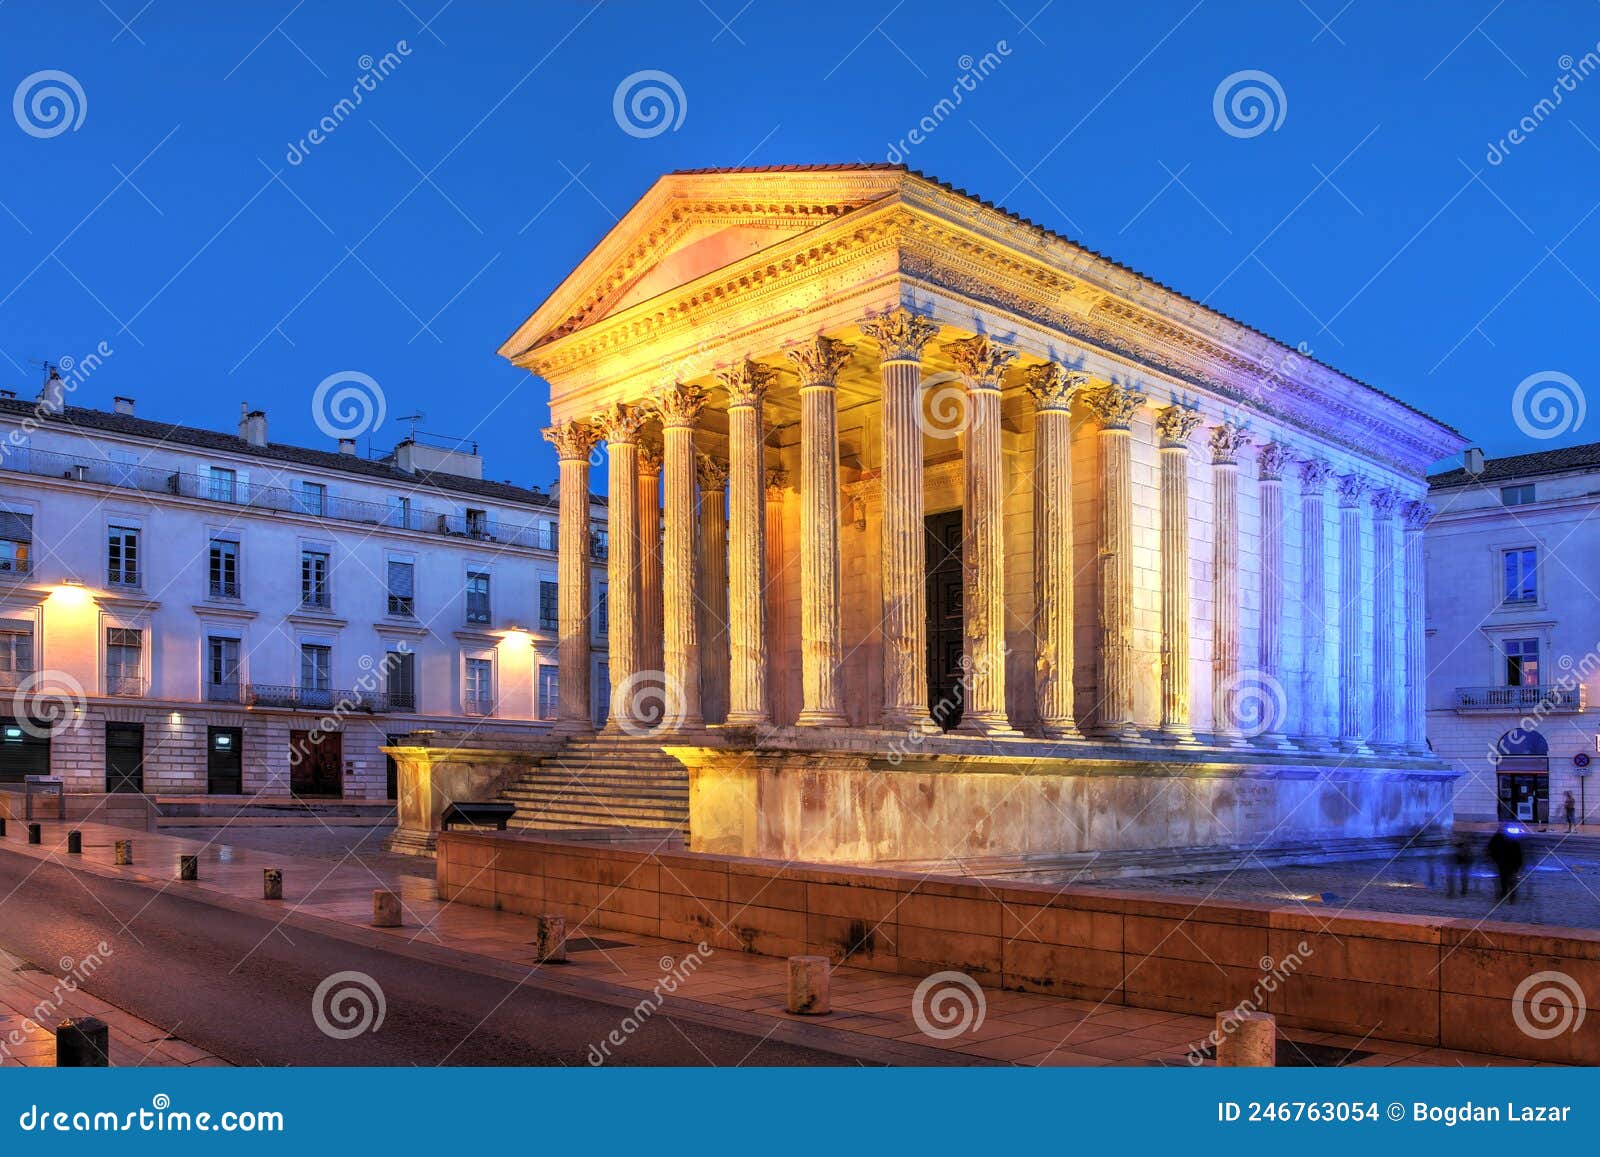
{"points": [[602, 816], [579, 795], [600, 775]]}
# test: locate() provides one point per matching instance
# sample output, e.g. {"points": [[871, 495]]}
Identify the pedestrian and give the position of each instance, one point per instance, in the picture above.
{"points": [[1570, 806], [1505, 852], [1461, 857]]}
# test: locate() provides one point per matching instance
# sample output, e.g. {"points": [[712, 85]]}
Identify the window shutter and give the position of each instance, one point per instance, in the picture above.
{"points": [[400, 579], [16, 527]]}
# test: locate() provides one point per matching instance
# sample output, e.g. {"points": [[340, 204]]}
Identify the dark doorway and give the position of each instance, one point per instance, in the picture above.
{"points": [[1523, 777], [316, 764], [946, 638], [125, 757], [393, 767], [24, 749], [225, 761]]}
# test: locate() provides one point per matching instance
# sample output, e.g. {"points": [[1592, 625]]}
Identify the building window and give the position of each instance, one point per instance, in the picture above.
{"points": [[549, 690], [16, 651], [549, 605], [222, 669], [1522, 585], [224, 568], [313, 498], [402, 588], [316, 674], [598, 543], [400, 512], [224, 484], [1517, 495], [477, 596], [602, 625], [477, 690], [1522, 662], [477, 522], [400, 680], [16, 542], [122, 557], [124, 661], [314, 579]]}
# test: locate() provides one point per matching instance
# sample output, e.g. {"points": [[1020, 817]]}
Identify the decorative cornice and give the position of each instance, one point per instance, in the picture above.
{"points": [[1113, 404], [1384, 502], [711, 474], [746, 383], [574, 439], [819, 360], [1226, 441], [982, 361], [620, 423], [1273, 459], [1417, 515], [1351, 488], [1176, 424], [900, 334], [678, 405], [1314, 475], [1052, 385]]}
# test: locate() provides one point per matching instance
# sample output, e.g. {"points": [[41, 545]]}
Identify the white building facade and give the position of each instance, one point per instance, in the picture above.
{"points": [[188, 612], [1514, 631]]}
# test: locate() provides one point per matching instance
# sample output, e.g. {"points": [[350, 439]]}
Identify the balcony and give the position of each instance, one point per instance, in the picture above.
{"points": [[223, 692], [476, 705], [15, 678], [224, 590], [125, 686], [155, 480], [14, 568], [315, 600], [1522, 700], [322, 699]]}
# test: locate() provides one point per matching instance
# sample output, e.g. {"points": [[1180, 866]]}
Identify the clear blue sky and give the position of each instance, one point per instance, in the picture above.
{"points": [[1368, 224]]}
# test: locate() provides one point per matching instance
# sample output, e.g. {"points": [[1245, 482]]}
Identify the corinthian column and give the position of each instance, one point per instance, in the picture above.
{"points": [[1175, 425], [1417, 516], [819, 362], [1314, 601], [620, 424], [748, 705], [775, 580], [713, 478], [574, 442], [1115, 407], [1052, 387], [1275, 457], [1226, 442], [1387, 677], [983, 555], [650, 656], [678, 406], [900, 335], [1351, 489]]}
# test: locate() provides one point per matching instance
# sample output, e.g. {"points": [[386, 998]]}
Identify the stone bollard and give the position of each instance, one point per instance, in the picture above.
{"points": [[188, 867], [122, 853], [33, 833], [385, 909], [272, 883], [1252, 1042], [74, 843], [83, 1043], [809, 992], [550, 940]]}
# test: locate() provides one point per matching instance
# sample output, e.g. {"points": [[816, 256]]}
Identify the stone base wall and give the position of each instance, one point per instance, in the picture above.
{"points": [[1432, 981]]}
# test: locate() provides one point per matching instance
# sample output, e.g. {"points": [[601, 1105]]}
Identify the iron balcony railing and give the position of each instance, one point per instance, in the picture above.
{"points": [[224, 590], [11, 679], [1522, 700], [222, 692], [13, 567], [125, 686], [322, 699], [156, 480], [476, 705]]}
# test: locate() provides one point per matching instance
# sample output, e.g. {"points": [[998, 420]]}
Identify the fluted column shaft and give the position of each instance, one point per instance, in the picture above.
{"points": [[679, 409], [1225, 673], [622, 568], [574, 441], [1351, 735], [1115, 407], [748, 705], [1314, 600], [1416, 702], [905, 612], [651, 658], [774, 583], [1175, 424], [713, 591], [1052, 388], [1387, 676], [1274, 699]]}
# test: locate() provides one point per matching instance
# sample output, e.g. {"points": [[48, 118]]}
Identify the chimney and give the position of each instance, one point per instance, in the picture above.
{"points": [[8, 394], [347, 445], [252, 425], [122, 405], [53, 395], [1472, 461]]}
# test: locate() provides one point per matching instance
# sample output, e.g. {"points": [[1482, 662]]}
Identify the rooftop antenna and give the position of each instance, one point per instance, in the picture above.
{"points": [[413, 419]]}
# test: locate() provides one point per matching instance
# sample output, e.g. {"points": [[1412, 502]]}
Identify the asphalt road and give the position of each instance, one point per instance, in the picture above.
{"points": [[230, 984]]}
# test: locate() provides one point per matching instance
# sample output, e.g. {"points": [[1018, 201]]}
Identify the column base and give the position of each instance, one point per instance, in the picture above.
{"points": [[1118, 733], [1354, 746], [1319, 743], [1060, 731], [1230, 739], [986, 725], [1273, 740], [910, 721], [1178, 734], [819, 718], [747, 719], [572, 727]]}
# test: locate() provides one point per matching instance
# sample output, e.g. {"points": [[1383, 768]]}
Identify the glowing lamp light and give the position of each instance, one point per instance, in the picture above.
{"points": [[516, 636], [71, 593]]}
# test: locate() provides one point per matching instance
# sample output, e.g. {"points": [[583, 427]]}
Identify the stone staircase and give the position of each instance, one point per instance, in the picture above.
{"points": [[602, 781]]}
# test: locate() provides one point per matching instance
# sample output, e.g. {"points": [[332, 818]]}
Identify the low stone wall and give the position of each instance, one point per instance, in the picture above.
{"points": [[1435, 981], [436, 770]]}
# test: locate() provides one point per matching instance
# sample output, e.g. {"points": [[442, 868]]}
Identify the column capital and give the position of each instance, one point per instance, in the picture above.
{"points": [[1052, 385], [900, 334], [1417, 515], [981, 360], [573, 439], [619, 422], [1176, 424], [1113, 404], [1273, 460], [1351, 488], [712, 475], [678, 404], [1226, 441], [819, 360], [746, 383], [1384, 502], [1314, 475], [777, 482], [650, 455]]}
